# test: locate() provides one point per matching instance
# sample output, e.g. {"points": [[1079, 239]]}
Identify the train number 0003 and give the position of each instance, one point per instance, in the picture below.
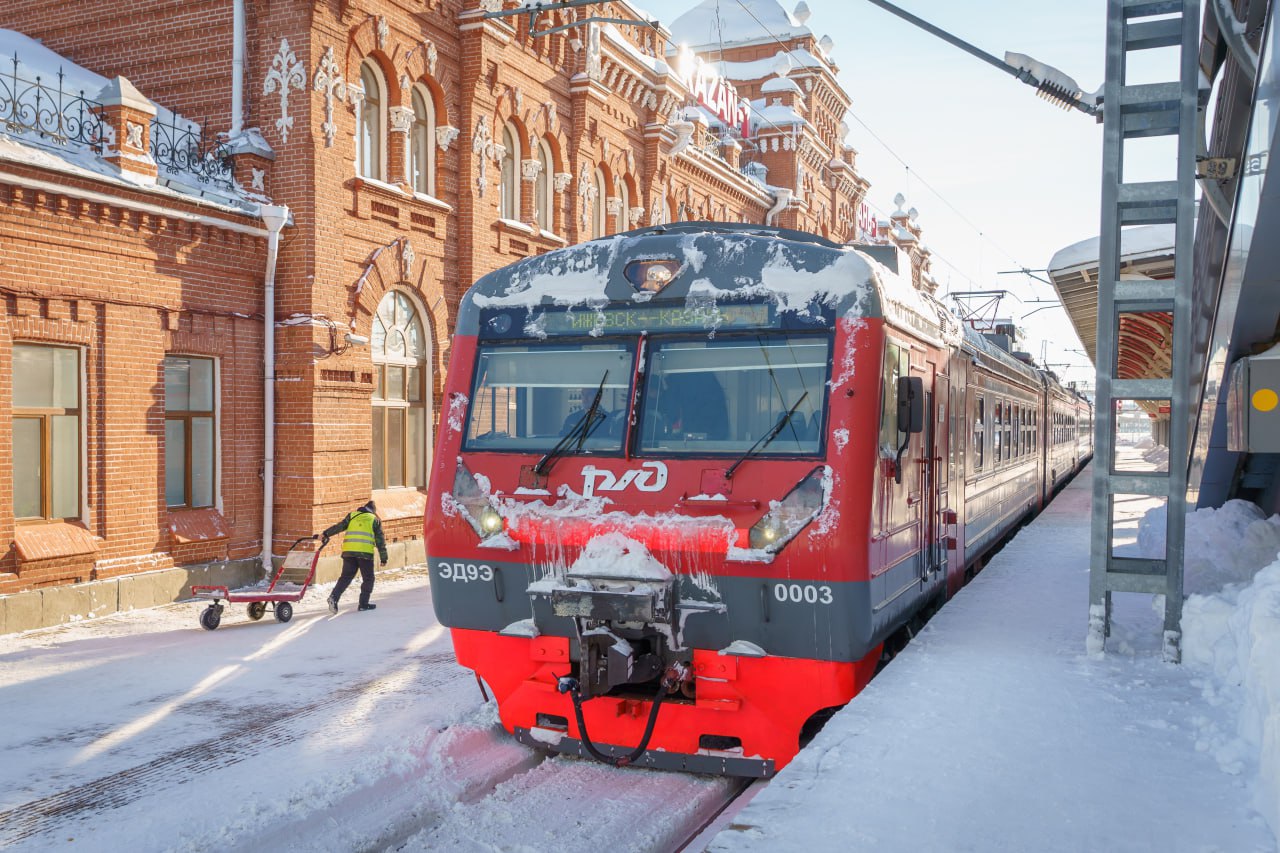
{"points": [[805, 593], [465, 572]]}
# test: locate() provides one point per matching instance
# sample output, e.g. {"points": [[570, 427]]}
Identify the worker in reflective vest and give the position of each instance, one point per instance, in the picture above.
{"points": [[362, 536]]}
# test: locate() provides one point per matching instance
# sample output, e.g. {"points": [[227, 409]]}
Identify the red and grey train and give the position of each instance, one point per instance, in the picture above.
{"points": [[692, 479]]}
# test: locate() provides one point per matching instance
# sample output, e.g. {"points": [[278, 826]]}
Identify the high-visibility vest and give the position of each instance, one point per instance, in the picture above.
{"points": [[359, 536]]}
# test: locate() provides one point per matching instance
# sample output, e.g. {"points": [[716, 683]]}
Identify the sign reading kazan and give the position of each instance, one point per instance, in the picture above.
{"points": [[712, 91]]}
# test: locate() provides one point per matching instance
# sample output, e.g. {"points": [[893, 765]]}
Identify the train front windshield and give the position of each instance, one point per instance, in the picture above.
{"points": [[527, 397], [700, 396]]}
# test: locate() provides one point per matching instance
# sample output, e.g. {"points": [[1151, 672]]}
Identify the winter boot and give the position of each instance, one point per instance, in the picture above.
{"points": [[333, 605], [368, 607]]}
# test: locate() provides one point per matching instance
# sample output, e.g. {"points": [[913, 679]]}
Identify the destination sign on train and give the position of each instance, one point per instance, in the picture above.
{"points": [[657, 319]]}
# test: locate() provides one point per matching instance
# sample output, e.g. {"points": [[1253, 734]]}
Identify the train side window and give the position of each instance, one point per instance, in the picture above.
{"points": [[1017, 432], [997, 435], [895, 366], [979, 432], [1008, 432]]}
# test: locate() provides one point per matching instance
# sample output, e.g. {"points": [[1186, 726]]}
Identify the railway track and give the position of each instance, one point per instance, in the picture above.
{"points": [[464, 785]]}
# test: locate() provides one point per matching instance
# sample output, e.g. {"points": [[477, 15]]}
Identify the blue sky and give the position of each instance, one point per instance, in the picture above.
{"points": [[1001, 178]]}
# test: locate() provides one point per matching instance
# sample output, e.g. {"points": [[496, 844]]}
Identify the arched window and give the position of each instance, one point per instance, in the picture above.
{"points": [[598, 206], [624, 210], [543, 194], [509, 179], [370, 124], [401, 396], [421, 143]]}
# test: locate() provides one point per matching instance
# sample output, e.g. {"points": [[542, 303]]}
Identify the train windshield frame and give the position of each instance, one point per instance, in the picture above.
{"points": [[721, 396], [528, 395]]}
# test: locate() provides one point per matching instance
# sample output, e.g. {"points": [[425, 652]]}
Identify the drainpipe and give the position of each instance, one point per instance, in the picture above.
{"points": [[237, 67], [782, 197], [274, 217]]}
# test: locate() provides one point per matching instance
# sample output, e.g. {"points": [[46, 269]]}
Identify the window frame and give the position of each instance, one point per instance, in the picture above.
{"points": [[599, 216], [45, 415], [422, 141], [187, 416], [509, 174], [544, 209], [381, 403], [371, 125]]}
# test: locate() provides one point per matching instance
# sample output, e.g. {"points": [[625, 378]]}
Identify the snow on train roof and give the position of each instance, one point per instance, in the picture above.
{"points": [[794, 270]]}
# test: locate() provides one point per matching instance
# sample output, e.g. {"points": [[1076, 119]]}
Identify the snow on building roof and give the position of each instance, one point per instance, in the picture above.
{"points": [[1136, 242], [745, 22], [758, 69], [617, 39], [764, 114], [780, 84], [35, 61]]}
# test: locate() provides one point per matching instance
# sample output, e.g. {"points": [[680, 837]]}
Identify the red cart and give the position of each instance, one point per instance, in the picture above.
{"points": [[289, 584]]}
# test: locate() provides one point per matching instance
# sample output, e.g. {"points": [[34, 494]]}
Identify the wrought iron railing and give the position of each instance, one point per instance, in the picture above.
{"points": [[36, 106], [178, 148], [707, 140]]}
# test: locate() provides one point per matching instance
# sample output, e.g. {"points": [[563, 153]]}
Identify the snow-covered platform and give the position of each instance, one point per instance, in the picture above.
{"points": [[996, 731]]}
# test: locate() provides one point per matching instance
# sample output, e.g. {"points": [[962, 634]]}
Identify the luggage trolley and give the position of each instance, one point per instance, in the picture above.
{"points": [[289, 584]]}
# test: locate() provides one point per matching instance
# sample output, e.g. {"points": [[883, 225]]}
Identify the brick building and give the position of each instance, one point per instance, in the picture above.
{"points": [[416, 145]]}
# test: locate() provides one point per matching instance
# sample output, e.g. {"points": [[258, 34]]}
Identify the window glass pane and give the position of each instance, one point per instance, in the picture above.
{"points": [[387, 310], [416, 447], [175, 462], [177, 384], [395, 382], [542, 198], [377, 381], [65, 453], [203, 459], [395, 447], [724, 396], [201, 384], [32, 376], [528, 397], [378, 342], [66, 378], [396, 344], [421, 146], [415, 385], [889, 405], [27, 459], [46, 377], [379, 457], [416, 347]]}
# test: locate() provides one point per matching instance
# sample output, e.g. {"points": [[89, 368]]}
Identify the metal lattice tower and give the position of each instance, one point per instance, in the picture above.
{"points": [[1133, 112]]}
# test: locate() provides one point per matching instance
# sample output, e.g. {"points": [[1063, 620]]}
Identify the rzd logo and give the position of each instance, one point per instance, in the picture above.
{"points": [[652, 477]]}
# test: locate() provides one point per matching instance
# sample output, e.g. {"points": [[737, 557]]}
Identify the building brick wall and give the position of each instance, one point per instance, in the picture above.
{"points": [[130, 287]]}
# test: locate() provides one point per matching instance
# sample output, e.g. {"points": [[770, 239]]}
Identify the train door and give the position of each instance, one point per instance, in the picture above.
{"points": [[932, 481], [941, 455]]}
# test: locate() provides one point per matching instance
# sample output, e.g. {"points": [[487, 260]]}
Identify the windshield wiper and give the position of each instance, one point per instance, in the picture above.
{"points": [[763, 441], [581, 428]]}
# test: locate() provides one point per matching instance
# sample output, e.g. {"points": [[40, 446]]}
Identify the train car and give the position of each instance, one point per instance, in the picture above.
{"points": [[690, 480]]}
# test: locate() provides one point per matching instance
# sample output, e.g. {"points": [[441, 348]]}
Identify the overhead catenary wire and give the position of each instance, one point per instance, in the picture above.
{"points": [[885, 145], [764, 119]]}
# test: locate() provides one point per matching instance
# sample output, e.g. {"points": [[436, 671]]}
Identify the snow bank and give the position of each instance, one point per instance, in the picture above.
{"points": [[1231, 629]]}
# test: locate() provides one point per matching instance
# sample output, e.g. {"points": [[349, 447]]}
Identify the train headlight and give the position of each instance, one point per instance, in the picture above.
{"points": [[789, 516], [490, 521], [473, 503]]}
